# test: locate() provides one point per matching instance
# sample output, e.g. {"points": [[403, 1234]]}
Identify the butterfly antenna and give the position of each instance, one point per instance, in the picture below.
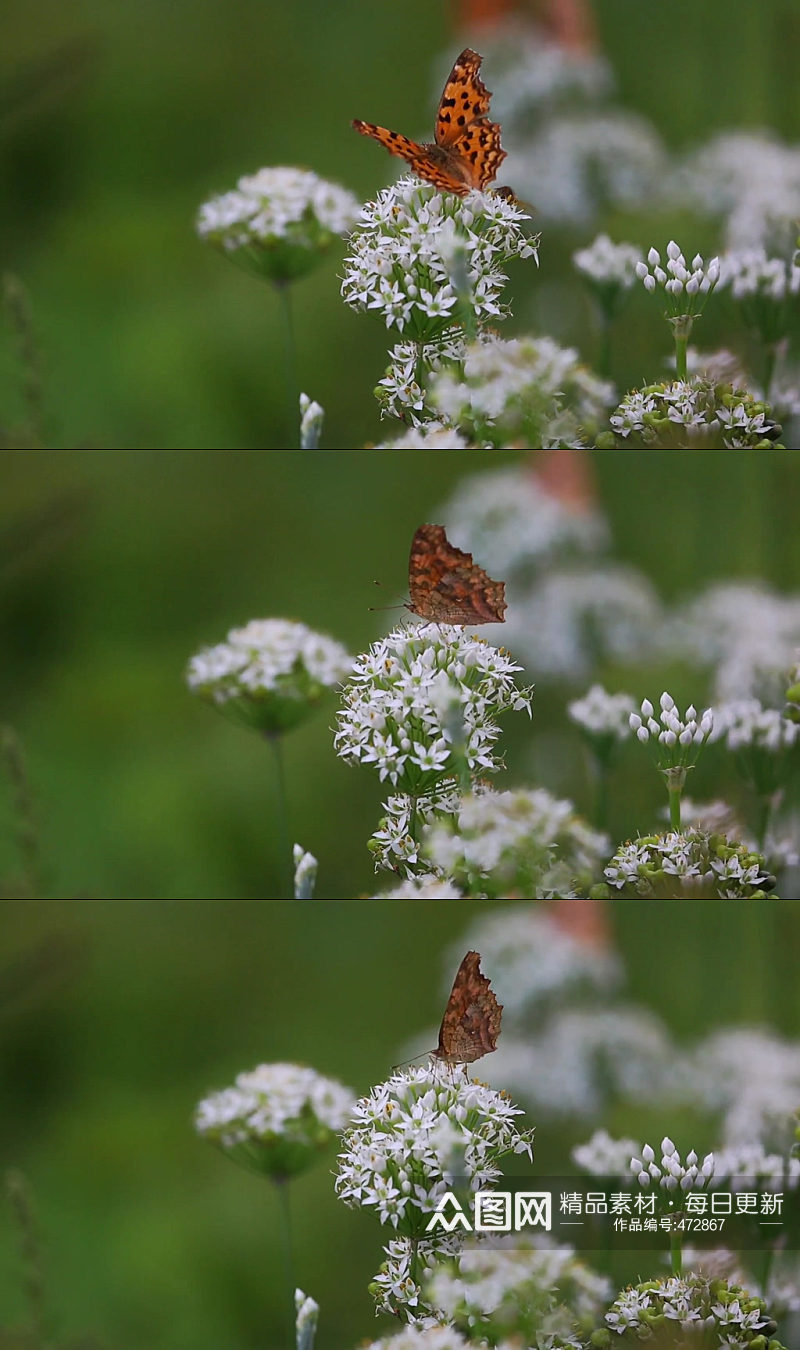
{"points": [[414, 1058]]}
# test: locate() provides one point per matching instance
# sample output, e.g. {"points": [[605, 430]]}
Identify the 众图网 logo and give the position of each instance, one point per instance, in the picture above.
{"points": [[494, 1212]]}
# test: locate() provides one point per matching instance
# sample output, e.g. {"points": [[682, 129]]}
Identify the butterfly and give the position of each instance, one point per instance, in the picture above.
{"points": [[466, 153], [471, 1023], [446, 586]]}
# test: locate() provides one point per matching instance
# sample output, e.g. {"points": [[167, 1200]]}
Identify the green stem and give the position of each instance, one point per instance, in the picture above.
{"points": [[604, 347], [675, 808], [282, 1187], [413, 1269], [285, 871], [768, 368], [600, 776], [681, 344], [763, 819], [676, 1251], [290, 348]]}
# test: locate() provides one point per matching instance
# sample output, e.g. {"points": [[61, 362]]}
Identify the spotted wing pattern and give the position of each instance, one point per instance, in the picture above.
{"points": [[467, 152], [471, 1023], [464, 99], [446, 586]]}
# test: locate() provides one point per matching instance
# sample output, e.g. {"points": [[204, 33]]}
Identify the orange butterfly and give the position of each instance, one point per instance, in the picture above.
{"points": [[467, 151]]}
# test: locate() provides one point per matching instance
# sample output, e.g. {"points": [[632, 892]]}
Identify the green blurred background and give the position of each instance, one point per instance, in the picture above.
{"points": [[118, 119], [114, 1021], [116, 566]]}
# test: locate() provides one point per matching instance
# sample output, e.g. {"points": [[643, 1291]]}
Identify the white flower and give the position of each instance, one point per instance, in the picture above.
{"points": [[673, 1175], [744, 632], [694, 1304], [394, 711], [602, 1156], [602, 716], [427, 886], [746, 724], [752, 1077], [538, 73], [693, 413], [528, 1289], [395, 845], [396, 266], [751, 181], [312, 415], [269, 673], [579, 163], [418, 1135], [307, 1314], [305, 873], [516, 525], [278, 220], [515, 390], [750, 274], [571, 619], [604, 261], [676, 741], [525, 843], [276, 1117], [402, 392], [693, 863]]}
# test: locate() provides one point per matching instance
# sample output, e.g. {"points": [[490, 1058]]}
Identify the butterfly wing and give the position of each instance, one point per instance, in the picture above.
{"points": [[391, 140], [446, 586], [479, 147], [471, 1023], [465, 98]]}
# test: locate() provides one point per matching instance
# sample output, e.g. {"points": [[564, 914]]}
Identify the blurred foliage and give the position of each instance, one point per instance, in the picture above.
{"points": [[117, 120], [115, 1020], [115, 566]]}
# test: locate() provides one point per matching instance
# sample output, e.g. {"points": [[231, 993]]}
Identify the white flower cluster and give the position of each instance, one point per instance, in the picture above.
{"points": [[524, 844], [418, 255], [428, 436], [579, 163], [538, 74], [398, 1286], [416, 1137], [749, 1167], [541, 1294], [672, 1174], [693, 863], [746, 633], [752, 1078], [746, 724], [750, 180], [270, 672], [602, 716], [519, 390], [281, 218], [585, 1059], [604, 1156], [699, 1308], [537, 963], [517, 526], [402, 391], [427, 886], [750, 273], [570, 620], [694, 413], [427, 1338], [423, 698], [686, 290], [677, 740], [276, 1117], [395, 845], [609, 268]]}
